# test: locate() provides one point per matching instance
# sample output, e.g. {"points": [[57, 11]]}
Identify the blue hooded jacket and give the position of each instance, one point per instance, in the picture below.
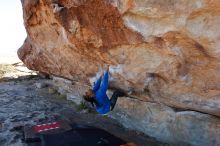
{"points": [[100, 88]]}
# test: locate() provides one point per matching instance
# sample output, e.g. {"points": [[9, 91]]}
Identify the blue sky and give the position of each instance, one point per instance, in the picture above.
{"points": [[12, 32]]}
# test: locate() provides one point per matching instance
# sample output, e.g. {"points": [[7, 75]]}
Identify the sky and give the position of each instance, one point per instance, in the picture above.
{"points": [[12, 31]]}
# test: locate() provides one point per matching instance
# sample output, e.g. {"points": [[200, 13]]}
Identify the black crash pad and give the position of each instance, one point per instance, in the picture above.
{"points": [[77, 135], [81, 136]]}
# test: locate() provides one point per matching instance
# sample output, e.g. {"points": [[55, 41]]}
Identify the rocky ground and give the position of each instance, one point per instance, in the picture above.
{"points": [[27, 99]]}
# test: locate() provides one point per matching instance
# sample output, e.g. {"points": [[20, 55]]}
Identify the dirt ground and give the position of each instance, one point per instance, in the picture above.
{"points": [[28, 100]]}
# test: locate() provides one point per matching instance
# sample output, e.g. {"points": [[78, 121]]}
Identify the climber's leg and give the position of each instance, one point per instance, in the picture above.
{"points": [[115, 96]]}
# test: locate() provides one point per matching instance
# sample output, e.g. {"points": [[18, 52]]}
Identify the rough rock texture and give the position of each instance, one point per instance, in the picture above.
{"points": [[161, 51], [178, 127]]}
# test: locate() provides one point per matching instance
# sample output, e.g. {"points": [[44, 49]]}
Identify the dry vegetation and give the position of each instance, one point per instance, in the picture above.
{"points": [[6, 68]]}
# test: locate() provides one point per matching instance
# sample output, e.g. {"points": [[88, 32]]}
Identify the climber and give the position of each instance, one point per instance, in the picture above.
{"points": [[98, 95]]}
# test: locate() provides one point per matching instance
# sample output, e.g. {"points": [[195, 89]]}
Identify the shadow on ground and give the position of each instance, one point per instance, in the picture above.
{"points": [[30, 100]]}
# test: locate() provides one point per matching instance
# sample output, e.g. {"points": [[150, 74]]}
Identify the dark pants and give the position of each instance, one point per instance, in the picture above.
{"points": [[115, 96]]}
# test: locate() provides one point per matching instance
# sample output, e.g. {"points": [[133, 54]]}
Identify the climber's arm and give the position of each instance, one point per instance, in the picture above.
{"points": [[104, 84], [97, 84]]}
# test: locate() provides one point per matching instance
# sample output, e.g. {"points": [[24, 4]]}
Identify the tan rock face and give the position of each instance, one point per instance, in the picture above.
{"points": [[170, 125], [180, 128], [162, 51]]}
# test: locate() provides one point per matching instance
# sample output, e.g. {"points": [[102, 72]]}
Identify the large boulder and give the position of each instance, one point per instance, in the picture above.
{"points": [[180, 128], [161, 51]]}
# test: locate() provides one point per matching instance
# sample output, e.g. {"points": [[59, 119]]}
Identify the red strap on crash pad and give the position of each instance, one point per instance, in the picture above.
{"points": [[46, 127]]}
